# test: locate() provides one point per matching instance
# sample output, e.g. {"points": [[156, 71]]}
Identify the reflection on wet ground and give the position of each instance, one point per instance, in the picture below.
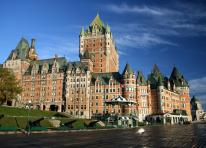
{"points": [[154, 136]]}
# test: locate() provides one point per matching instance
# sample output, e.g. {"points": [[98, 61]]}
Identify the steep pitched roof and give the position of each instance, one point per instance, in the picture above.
{"points": [[97, 21], [105, 77], [156, 78], [128, 69], [39, 64], [73, 66], [156, 70], [21, 50], [96, 26], [177, 78], [141, 79]]}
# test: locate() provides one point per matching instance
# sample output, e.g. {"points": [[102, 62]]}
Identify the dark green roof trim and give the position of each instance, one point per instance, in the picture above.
{"points": [[178, 79], [97, 21], [105, 77], [141, 79], [179, 112], [21, 50], [97, 26], [73, 66], [128, 69], [156, 78], [62, 62]]}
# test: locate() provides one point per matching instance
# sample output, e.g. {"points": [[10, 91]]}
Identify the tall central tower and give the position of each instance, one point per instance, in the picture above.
{"points": [[97, 42]]}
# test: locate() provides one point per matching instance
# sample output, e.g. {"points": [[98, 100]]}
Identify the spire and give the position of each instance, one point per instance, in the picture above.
{"points": [[128, 69], [82, 31], [140, 78], [175, 73], [33, 43], [107, 28], [155, 78], [155, 69], [178, 78], [97, 21]]}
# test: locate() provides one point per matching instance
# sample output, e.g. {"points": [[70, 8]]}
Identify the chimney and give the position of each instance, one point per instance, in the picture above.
{"points": [[33, 43]]}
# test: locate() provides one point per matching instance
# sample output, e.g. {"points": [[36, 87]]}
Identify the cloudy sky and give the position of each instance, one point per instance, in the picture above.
{"points": [[146, 32]]}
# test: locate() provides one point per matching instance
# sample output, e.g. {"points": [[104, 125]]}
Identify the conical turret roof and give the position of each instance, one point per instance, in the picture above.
{"points": [[178, 78], [82, 31], [156, 78], [128, 69], [141, 79], [155, 69]]}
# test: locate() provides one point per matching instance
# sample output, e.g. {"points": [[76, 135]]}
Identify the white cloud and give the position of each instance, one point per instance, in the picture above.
{"points": [[124, 8], [175, 19], [122, 53], [141, 40], [198, 86], [198, 89]]}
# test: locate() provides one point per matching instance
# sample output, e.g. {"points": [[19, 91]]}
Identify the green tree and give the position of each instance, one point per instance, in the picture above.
{"points": [[9, 86]]}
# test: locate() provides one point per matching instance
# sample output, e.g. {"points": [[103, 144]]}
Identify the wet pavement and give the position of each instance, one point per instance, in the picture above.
{"points": [[154, 136]]}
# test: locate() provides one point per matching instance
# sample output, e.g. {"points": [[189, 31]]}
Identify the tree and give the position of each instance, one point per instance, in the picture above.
{"points": [[9, 86]]}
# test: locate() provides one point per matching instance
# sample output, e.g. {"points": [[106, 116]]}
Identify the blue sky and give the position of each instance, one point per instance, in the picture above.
{"points": [[146, 32]]}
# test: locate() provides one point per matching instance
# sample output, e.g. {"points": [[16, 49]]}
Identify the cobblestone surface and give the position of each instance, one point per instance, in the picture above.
{"points": [[154, 136]]}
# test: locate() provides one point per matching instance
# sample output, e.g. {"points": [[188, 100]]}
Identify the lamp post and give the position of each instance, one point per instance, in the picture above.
{"points": [[28, 106]]}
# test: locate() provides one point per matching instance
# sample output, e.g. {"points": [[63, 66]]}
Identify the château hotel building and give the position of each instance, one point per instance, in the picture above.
{"points": [[94, 85]]}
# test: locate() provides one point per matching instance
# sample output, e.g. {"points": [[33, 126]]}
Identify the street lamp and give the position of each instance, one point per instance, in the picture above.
{"points": [[28, 106]]}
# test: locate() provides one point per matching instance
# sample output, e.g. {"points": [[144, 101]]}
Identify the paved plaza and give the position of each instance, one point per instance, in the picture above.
{"points": [[154, 136]]}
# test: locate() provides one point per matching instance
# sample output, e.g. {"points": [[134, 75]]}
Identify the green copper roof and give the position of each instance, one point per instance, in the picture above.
{"points": [[21, 50], [178, 78], [107, 28], [128, 69], [97, 21], [160, 81], [156, 78], [49, 62], [82, 31], [141, 79], [96, 27], [73, 66], [156, 70], [105, 77]]}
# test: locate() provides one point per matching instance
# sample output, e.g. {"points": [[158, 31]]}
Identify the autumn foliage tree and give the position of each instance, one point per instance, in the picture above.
{"points": [[9, 86]]}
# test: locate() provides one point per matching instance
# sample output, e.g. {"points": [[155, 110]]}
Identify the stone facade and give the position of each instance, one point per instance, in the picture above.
{"points": [[82, 88]]}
